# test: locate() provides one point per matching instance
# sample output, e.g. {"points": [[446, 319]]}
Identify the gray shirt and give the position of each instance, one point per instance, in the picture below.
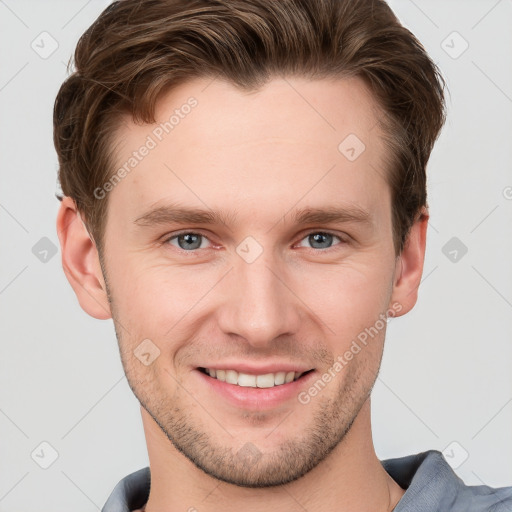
{"points": [[430, 482]]}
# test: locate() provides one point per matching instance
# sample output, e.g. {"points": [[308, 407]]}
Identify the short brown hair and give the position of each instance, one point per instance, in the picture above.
{"points": [[138, 49]]}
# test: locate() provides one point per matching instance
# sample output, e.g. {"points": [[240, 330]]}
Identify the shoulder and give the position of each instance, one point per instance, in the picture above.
{"points": [[483, 498], [432, 484]]}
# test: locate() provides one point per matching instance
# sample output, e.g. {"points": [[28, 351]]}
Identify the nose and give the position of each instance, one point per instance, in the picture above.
{"points": [[260, 304]]}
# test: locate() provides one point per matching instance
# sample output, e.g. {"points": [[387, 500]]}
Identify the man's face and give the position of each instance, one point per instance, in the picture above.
{"points": [[258, 293]]}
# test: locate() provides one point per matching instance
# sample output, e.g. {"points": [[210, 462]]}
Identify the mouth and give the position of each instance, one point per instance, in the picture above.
{"points": [[246, 380]]}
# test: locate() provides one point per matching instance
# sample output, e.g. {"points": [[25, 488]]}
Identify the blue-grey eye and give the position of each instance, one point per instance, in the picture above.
{"points": [[320, 240], [188, 241]]}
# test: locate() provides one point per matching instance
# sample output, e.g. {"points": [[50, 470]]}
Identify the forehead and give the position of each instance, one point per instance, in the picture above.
{"points": [[292, 141], [317, 113]]}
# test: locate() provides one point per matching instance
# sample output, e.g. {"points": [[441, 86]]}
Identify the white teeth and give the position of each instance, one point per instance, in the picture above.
{"points": [[246, 381], [231, 377], [279, 378], [264, 381], [268, 380]]}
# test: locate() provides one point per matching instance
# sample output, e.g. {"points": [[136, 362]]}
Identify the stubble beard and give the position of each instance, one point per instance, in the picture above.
{"points": [[249, 465]]}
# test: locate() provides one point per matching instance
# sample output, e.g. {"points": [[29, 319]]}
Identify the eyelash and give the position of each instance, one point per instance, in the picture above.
{"points": [[328, 249]]}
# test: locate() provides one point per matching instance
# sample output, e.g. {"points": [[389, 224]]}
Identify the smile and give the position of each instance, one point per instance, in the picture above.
{"points": [[267, 380]]}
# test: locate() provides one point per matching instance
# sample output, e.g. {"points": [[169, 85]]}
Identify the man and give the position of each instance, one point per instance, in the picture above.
{"points": [[244, 195]]}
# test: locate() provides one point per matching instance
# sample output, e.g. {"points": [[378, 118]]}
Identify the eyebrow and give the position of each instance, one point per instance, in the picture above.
{"points": [[175, 214]]}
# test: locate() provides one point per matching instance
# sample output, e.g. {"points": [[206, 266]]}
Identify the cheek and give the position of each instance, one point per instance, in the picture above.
{"points": [[157, 301], [348, 297], [147, 292]]}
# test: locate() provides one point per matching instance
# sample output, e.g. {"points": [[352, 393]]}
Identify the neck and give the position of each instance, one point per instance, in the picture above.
{"points": [[351, 478]]}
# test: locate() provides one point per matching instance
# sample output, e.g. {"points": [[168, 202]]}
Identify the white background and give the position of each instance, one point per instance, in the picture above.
{"points": [[445, 375]]}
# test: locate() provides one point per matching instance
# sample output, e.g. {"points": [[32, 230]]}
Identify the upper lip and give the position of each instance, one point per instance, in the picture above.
{"points": [[258, 369]]}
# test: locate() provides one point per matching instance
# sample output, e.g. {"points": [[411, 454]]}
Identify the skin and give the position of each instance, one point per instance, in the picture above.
{"points": [[260, 155]]}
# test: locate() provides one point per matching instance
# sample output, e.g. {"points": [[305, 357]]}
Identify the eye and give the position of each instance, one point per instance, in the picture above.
{"points": [[187, 240], [321, 239]]}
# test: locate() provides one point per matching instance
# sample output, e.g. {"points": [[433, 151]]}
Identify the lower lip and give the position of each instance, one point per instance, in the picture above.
{"points": [[256, 398]]}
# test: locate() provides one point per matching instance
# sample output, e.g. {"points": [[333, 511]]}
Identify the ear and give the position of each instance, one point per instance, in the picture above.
{"points": [[409, 266], [80, 261]]}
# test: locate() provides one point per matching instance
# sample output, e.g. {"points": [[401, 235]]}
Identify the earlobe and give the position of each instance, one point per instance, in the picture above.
{"points": [[80, 261], [409, 266]]}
